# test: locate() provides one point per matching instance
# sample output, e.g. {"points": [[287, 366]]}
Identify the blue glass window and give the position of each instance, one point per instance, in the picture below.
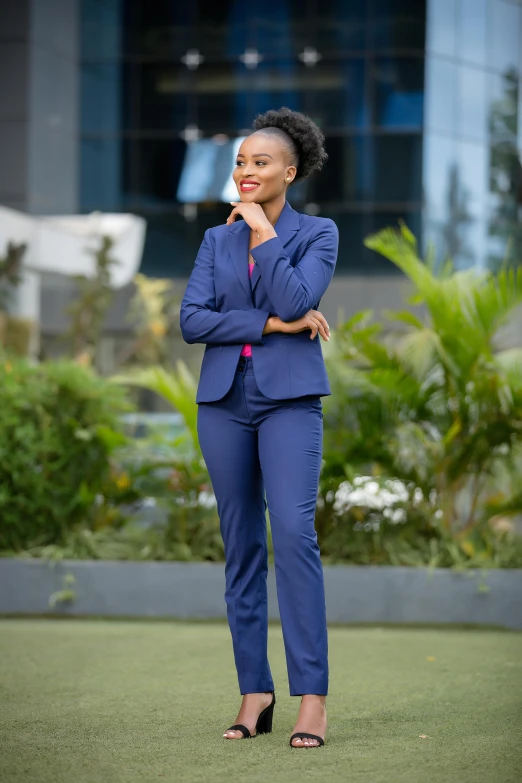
{"points": [[397, 168], [503, 39], [399, 92], [441, 28], [472, 31], [398, 24], [471, 103], [441, 95]]}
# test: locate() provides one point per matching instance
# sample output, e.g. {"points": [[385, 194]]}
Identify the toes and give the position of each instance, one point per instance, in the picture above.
{"points": [[297, 743]]}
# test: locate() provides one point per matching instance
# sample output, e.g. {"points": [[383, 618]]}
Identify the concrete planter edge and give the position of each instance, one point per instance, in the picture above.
{"points": [[354, 594]]}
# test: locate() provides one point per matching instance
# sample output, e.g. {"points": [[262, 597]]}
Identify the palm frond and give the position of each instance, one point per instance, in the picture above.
{"points": [[177, 388]]}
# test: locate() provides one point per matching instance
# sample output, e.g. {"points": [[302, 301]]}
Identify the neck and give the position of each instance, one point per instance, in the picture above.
{"points": [[273, 209]]}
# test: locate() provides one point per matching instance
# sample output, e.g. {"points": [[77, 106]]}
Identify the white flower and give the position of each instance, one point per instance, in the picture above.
{"points": [[207, 499], [418, 496]]}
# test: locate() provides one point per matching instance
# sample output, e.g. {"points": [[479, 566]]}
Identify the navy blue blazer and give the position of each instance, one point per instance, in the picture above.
{"points": [[224, 309]]}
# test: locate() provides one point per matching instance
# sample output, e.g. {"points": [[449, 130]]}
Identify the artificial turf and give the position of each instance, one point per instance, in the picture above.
{"points": [[125, 701]]}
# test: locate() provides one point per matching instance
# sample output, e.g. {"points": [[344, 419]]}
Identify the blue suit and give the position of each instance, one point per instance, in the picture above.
{"points": [[260, 427], [224, 309]]}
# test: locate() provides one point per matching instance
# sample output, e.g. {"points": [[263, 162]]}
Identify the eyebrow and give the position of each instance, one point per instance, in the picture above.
{"points": [[257, 155]]}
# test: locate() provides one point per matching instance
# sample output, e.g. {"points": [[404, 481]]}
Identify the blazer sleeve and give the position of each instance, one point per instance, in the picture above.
{"points": [[199, 320], [293, 290]]}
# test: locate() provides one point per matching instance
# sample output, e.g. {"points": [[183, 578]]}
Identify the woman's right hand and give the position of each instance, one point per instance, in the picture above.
{"points": [[313, 320]]}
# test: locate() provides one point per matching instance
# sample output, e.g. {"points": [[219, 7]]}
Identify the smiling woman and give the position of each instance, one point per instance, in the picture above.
{"points": [[253, 299]]}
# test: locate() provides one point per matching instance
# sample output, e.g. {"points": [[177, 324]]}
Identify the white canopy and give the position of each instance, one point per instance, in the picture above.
{"points": [[61, 243]]}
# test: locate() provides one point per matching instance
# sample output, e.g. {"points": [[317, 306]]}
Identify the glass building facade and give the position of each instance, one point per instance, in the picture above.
{"points": [[473, 131], [419, 103]]}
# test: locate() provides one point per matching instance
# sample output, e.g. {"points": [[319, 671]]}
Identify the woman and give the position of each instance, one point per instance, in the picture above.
{"points": [[260, 412]]}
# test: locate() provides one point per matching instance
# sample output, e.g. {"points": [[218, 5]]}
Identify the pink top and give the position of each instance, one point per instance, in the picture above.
{"points": [[247, 348]]}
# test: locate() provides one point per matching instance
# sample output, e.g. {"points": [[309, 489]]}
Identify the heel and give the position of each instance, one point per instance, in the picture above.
{"points": [[264, 722]]}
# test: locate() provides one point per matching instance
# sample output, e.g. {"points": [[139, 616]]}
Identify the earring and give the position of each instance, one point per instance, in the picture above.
{"points": [[288, 179]]}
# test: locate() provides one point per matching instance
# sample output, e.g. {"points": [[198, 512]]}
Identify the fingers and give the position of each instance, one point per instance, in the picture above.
{"points": [[314, 327], [322, 320], [318, 326], [231, 218]]}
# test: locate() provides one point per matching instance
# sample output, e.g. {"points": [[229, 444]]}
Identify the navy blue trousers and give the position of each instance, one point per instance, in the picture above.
{"points": [[252, 445]]}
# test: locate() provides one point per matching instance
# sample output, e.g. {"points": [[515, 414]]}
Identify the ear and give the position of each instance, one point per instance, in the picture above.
{"points": [[290, 173]]}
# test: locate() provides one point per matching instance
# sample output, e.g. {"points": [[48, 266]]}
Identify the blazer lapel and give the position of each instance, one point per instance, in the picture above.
{"points": [[286, 227], [238, 239]]}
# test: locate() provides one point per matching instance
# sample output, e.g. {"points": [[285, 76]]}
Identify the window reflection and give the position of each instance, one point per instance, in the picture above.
{"points": [[338, 27], [472, 25], [398, 24], [441, 83], [471, 103], [157, 164], [338, 93], [347, 173], [206, 171], [503, 40], [442, 189], [441, 29], [139, 96], [397, 165], [399, 92]]}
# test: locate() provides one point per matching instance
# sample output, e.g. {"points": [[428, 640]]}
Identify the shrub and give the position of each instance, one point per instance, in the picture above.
{"points": [[436, 404], [58, 424]]}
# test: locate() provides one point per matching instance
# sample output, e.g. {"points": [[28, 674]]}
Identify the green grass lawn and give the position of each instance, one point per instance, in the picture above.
{"points": [[111, 701]]}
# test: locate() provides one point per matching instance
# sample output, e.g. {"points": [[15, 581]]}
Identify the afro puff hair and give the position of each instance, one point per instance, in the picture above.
{"points": [[305, 139]]}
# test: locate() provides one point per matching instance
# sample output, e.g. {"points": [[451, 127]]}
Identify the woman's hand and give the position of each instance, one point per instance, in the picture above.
{"points": [[254, 215], [313, 320]]}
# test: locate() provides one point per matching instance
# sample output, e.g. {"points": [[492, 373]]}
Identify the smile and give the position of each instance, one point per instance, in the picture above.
{"points": [[248, 186]]}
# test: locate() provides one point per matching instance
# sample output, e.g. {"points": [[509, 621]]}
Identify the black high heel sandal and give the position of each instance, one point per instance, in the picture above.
{"points": [[263, 724], [302, 735]]}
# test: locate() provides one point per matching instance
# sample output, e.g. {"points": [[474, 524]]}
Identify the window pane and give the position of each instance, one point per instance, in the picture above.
{"points": [[503, 116], [471, 103], [163, 103], [338, 94], [442, 27], [399, 92], [158, 169], [347, 173], [399, 24], [339, 27], [441, 95], [473, 165], [158, 29], [398, 168], [503, 43], [441, 184], [472, 31]]}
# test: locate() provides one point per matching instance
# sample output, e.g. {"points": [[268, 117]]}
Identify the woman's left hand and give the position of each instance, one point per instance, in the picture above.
{"points": [[252, 213]]}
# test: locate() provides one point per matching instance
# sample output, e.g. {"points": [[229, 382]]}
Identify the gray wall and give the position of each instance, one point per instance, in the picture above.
{"points": [[39, 105]]}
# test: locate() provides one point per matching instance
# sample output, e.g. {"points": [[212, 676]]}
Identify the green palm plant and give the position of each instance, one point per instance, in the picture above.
{"points": [[436, 402]]}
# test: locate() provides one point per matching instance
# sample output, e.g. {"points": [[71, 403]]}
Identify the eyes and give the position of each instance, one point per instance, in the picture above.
{"points": [[258, 162]]}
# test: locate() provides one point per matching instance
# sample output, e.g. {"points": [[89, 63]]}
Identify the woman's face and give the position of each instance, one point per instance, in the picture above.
{"points": [[262, 166]]}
